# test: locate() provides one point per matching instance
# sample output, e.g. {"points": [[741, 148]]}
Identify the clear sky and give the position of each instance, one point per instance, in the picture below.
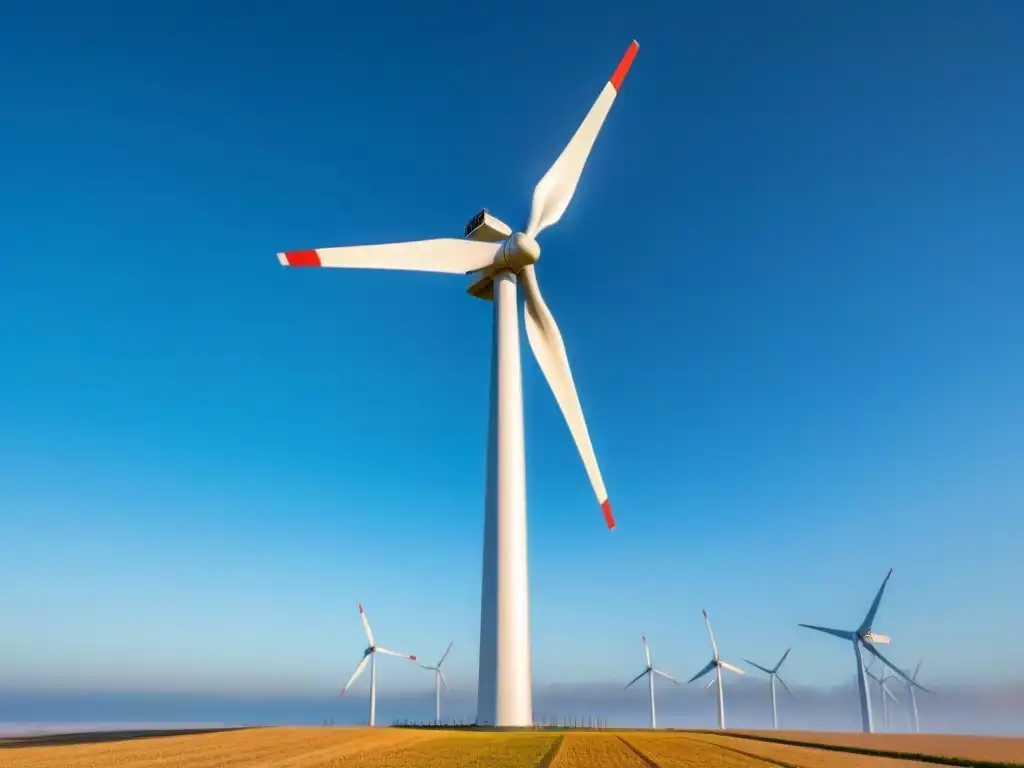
{"points": [[789, 284]]}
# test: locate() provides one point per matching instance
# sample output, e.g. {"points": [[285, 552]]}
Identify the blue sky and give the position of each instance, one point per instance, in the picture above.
{"points": [[789, 285]]}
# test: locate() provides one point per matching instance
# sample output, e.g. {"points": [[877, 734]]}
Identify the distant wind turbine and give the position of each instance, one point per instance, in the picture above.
{"points": [[864, 637], [716, 664], [885, 695], [650, 671], [438, 679], [370, 656], [773, 675], [913, 699]]}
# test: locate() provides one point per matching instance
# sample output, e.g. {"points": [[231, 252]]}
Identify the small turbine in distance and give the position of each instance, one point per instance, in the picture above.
{"points": [[650, 671], [438, 679], [885, 695], [716, 664], [864, 637], [913, 699], [370, 656], [773, 675]]}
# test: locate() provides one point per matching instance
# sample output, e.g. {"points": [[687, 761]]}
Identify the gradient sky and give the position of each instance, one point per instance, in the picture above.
{"points": [[789, 284]]}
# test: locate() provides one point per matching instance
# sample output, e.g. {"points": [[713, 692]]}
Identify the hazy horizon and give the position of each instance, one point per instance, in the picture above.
{"points": [[983, 710]]}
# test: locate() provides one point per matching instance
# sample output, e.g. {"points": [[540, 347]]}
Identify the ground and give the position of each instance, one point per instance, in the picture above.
{"points": [[407, 748]]}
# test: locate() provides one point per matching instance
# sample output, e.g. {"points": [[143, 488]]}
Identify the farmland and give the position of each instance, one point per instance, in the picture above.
{"points": [[390, 747]]}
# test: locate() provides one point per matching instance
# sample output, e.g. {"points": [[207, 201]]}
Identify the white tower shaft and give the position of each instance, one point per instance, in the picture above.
{"points": [[862, 688], [373, 689], [721, 698], [650, 683], [913, 704], [505, 686], [775, 715], [437, 696]]}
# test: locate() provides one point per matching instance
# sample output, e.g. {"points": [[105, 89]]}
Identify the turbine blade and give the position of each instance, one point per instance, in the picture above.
{"points": [[386, 652], [711, 682], [840, 633], [766, 671], [445, 656], [366, 625], [710, 665], [874, 651], [785, 686], [917, 669], [666, 676], [549, 350], [445, 254], [885, 689], [554, 191], [714, 646], [635, 679], [432, 669], [865, 625], [786, 654], [444, 680], [355, 675], [731, 668], [647, 650]]}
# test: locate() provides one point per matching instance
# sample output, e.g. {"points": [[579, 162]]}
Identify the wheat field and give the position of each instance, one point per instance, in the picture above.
{"points": [[406, 748]]}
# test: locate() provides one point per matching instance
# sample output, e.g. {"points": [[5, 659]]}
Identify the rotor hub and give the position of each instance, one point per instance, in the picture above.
{"points": [[517, 252]]}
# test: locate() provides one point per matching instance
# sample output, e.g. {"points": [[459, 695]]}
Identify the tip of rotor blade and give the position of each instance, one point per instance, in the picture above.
{"points": [[609, 518], [412, 658], [342, 693], [623, 69], [704, 612], [644, 638], [360, 607], [299, 259], [889, 573]]}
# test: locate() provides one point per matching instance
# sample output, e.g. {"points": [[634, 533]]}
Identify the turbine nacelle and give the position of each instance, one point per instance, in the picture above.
{"points": [[875, 638]]}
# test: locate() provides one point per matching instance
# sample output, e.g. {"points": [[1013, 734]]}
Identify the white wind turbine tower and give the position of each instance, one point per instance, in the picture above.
{"points": [[773, 675], [370, 656], [650, 671], [864, 637], [500, 262], [438, 679], [716, 664], [885, 695]]}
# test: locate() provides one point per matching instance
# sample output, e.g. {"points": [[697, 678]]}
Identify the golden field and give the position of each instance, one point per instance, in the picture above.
{"points": [[401, 748], [994, 749]]}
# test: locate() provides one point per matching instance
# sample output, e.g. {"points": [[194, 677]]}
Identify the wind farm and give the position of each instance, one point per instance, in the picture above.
{"points": [[310, 308]]}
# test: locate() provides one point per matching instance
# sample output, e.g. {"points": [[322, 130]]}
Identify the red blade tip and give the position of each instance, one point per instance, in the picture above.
{"points": [[302, 258], [623, 69], [360, 607], [412, 658], [609, 519]]}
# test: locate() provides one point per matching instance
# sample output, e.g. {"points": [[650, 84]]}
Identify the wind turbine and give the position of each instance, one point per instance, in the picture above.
{"points": [[438, 679], [913, 699], [773, 674], [864, 637], [500, 262], [884, 694], [370, 656], [650, 671], [716, 664]]}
